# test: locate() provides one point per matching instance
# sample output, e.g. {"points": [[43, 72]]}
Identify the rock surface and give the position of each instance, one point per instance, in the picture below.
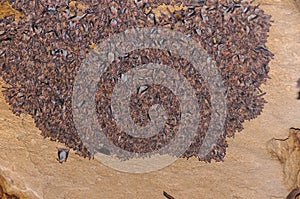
{"points": [[28, 166], [288, 152]]}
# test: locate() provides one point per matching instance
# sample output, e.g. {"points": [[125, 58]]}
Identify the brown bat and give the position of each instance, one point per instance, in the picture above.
{"points": [[294, 193], [168, 196], [62, 154]]}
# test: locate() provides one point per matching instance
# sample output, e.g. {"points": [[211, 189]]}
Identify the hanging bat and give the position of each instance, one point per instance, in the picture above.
{"points": [[62, 154]]}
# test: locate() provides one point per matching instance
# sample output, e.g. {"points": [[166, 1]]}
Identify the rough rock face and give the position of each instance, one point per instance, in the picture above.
{"points": [[288, 152], [30, 169], [297, 3], [4, 195]]}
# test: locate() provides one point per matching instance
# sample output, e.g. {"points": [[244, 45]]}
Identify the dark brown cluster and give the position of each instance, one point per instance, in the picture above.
{"points": [[147, 96], [41, 54]]}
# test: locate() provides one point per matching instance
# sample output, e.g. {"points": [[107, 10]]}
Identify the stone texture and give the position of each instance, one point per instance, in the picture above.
{"points": [[288, 152], [29, 168]]}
